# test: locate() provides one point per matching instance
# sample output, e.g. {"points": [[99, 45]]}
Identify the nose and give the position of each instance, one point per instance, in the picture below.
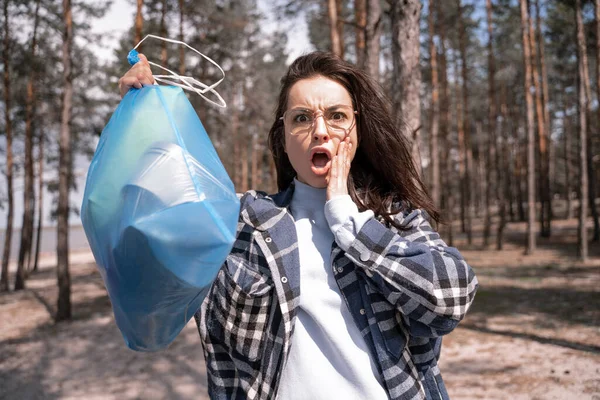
{"points": [[320, 133]]}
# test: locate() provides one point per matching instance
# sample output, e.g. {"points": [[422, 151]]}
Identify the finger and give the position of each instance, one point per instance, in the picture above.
{"points": [[127, 82], [145, 79], [143, 59]]}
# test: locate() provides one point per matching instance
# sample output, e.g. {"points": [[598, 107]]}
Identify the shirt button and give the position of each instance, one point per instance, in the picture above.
{"points": [[283, 279], [365, 256], [340, 270], [268, 240], [362, 311]]}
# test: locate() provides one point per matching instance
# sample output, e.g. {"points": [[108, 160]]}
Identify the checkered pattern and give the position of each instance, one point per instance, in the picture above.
{"points": [[405, 289]]}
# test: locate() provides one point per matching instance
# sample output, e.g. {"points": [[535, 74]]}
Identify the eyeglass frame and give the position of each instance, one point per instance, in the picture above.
{"points": [[320, 113]]}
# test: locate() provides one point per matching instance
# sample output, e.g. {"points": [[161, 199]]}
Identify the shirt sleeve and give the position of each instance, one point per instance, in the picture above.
{"points": [[429, 282], [344, 219]]}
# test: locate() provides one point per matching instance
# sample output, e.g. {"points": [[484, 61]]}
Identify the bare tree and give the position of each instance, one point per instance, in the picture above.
{"points": [[492, 115], [334, 34], [464, 140], [63, 310], [582, 109], [181, 48], [530, 132], [544, 179], [435, 109], [163, 32], [373, 37], [4, 287], [40, 212], [406, 84], [360, 18], [29, 117], [138, 22]]}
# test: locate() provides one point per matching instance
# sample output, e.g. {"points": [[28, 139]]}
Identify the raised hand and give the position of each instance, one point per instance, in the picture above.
{"points": [[138, 75], [337, 179]]}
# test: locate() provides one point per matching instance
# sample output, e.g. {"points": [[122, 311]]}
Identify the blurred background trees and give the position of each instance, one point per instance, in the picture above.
{"points": [[496, 97]]}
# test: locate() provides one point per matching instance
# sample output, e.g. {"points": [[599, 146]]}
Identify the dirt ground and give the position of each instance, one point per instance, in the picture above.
{"points": [[533, 333]]}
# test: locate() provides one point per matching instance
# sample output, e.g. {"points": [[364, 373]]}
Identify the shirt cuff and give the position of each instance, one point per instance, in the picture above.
{"points": [[344, 219]]}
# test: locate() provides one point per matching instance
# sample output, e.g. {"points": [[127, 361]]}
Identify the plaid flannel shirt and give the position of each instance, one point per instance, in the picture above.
{"points": [[404, 289]]}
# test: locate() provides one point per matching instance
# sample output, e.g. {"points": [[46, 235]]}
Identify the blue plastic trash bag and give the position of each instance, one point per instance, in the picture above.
{"points": [[160, 214]]}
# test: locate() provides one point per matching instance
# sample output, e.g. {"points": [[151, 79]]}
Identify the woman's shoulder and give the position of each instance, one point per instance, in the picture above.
{"points": [[251, 197]]}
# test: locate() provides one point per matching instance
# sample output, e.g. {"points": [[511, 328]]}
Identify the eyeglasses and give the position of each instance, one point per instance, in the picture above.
{"points": [[339, 120]]}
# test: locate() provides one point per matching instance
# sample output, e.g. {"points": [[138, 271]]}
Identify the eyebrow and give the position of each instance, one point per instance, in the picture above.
{"points": [[326, 109]]}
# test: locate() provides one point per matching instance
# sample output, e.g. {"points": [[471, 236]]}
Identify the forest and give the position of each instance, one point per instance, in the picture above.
{"points": [[500, 100]]}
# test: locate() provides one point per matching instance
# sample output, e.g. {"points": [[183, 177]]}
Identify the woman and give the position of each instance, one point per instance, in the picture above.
{"points": [[336, 287]]}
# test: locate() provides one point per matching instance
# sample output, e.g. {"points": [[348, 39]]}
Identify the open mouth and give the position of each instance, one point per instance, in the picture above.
{"points": [[320, 162]]}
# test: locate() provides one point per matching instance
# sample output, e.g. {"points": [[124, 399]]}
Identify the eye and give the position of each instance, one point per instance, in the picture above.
{"points": [[301, 118], [337, 116]]}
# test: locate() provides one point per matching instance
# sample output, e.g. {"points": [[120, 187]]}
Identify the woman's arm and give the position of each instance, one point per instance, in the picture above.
{"points": [[428, 281]]}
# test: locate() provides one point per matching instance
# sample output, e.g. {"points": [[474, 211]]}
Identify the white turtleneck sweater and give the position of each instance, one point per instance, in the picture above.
{"points": [[328, 358]]}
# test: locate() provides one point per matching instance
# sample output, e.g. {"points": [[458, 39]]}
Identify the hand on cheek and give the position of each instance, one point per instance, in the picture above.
{"points": [[337, 179]]}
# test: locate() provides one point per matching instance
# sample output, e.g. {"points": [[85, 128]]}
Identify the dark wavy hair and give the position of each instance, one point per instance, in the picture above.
{"points": [[383, 177]]}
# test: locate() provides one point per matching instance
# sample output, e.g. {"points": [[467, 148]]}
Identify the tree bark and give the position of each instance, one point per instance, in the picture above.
{"points": [[596, 236], [582, 108], [4, 285], [502, 164], [492, 115], [360, 17], [530, 131], [567, 146], [336, 44], [63, 309], [547, 122], [372, 38], [181, 48], [544, 184], [435, 110], [138, 22], [340, 26], [163, 33], [40, 200], [29, 117], [463, 130], [406, 84], [447, 190]]}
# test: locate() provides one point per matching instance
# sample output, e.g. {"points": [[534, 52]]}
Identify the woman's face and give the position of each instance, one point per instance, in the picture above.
{"points": [[311, 150]]}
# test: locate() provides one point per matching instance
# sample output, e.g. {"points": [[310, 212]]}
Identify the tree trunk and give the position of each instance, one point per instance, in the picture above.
{"points": [[138, 23], [435, 111], [163, 33], [63, 309], [28, 186], [582, 108], [244, 185], [336, 44], [544, 186], [530, 131], [340, 26], [254, 163], [360, 17], [547, 122], [567, 144], [29, 117], [4, 286], [40, 200], [406, 84], [491, 155], [372, 38], [463, 129], [181, 48], [596, 236], [502, 164]]}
